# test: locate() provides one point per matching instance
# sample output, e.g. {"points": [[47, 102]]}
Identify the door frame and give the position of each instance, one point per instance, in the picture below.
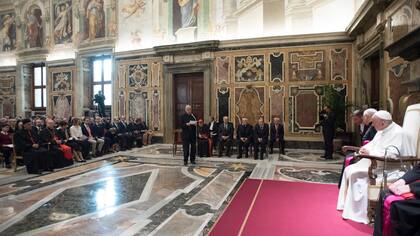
{"points": [[169, 70]]}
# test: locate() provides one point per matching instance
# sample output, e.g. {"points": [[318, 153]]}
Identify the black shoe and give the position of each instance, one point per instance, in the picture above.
{"points": [[261, 158], [323, 156], [8, 166], [239, 157], [193, 162], [185, 163], [246, 156], [283, 153], [50, 170], [255, 158], [271, 152]]}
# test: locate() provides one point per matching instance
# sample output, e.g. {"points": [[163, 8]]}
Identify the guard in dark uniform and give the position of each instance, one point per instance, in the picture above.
{"points": [[327, 121], [260, 138], [244, 136], [277, 135], [189, 135]]}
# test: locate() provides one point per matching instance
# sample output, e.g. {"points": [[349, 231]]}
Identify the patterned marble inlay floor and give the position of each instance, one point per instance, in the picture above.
{"points": [[143, 192]]}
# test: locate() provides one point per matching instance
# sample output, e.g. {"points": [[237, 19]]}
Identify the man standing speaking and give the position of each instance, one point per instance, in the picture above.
{"points": [[189, 135]]}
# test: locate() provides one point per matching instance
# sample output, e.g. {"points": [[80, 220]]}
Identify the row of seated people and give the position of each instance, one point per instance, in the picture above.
{"points": [[398, 211], [222, 136], [46, 145]]}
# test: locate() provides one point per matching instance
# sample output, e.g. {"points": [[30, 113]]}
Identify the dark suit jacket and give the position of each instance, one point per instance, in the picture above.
{"points": [[188, 132], [204, 130], [328, 125], [123, 128], [98, 130], [226, 132], [23, 141], [261, 133], [46, 136], [84, 130], [245, 132], [276, 134], [370, 133]]}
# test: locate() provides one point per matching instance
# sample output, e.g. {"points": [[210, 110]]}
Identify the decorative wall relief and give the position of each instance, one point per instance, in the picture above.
{"points": [[249, 68], [277, 67], [277, 95], [133, 7], [122, 75], [7, 94], [137, 75], [94, 20], [305, 103], [339, 64], [223, 95], [7, 84], [400, 22], [63, 21], [155, 109], [156, 74], [7, 32], [33, 30], [62, 106], [137, 104], [307, 65], [61, 81], [249, 103], [222, 69]]}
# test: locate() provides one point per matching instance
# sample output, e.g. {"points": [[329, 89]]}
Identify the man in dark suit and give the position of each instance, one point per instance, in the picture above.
{"points": [[244, 135], [261, 131], [189, 135], [34, 156], [98, 132], [327, 121], [225, 136], [277, 135], [124, 130]]}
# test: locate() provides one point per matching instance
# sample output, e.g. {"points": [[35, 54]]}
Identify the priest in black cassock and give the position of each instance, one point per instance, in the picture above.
{"points": [[50, 141], [189, 135], [34, 156], [398, 212], [204, 141]]}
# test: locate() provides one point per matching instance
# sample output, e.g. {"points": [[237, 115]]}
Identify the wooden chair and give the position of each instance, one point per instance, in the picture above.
{"points": [[15, 157], [177, 140], [411, 126]]}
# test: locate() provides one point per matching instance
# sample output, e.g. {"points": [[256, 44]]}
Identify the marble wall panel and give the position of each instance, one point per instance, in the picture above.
{"points": [[223, 95], [222, 69], [249, 68], [339, 64], [249, 103], [138, 75], [137, 105], [308, 65], [7, 94], [277, 67], [277, 95], [156, 109]]}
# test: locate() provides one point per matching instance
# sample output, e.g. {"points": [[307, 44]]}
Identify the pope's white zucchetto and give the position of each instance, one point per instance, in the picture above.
{"points": [[383, 115]]}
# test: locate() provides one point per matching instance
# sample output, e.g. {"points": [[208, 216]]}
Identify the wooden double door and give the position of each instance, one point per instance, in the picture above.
{"points": [[188, 89]]}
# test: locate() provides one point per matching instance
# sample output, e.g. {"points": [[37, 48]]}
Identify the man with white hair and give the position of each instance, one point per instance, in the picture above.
{"points": [[353, 195], [367, 120], [189, 135]]}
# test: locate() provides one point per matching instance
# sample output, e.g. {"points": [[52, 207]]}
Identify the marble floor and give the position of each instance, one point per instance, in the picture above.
{"points": [[143, 192]]}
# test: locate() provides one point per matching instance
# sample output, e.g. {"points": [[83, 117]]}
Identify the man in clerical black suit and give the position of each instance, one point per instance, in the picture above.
{"points": [[204, 141], [327, 119], [34, 156], [225, 136], [261, 131], [189, 135], [277, 135], [244, 136]]}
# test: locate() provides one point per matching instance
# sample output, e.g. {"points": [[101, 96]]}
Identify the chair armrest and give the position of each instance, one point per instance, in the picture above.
{"points": [[404, 158], [350, 148]]}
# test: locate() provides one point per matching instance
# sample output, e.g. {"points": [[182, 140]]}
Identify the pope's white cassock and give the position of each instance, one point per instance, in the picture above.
{"points": [[353, 196]]}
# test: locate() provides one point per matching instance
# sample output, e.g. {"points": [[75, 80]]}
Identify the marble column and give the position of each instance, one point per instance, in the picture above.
{"points": [[23, 86]]}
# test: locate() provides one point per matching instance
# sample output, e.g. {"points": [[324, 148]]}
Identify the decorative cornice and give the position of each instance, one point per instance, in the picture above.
{"points": [[187, 48]]}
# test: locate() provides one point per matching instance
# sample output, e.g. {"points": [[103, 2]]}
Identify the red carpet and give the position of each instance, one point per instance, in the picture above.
{"points": [[267, 207]]}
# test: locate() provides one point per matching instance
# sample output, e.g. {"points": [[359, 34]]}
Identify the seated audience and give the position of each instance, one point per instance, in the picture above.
{"points": [[353, 199], [136, 129], [59, 153], [398, 212], [147, 133], [244, 135], [6, 145], [35, 157], [65, 138], [203, 139], [125, 134], [370, 129], [357, 120], [225, 136], [112, 137], [78, 137], [277, 135], [260, 138]]}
